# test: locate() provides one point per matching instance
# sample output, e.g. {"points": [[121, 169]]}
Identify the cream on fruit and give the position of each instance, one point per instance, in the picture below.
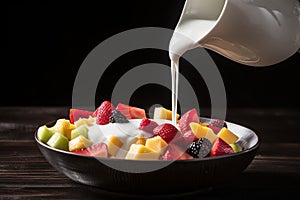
{"points": [[127, 133]]}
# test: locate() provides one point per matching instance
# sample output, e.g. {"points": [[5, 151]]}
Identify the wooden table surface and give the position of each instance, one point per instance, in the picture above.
{"points": [[273, 174]]}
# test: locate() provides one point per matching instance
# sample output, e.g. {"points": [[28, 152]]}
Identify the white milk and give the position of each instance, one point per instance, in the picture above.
{"points": [[186, 36]]}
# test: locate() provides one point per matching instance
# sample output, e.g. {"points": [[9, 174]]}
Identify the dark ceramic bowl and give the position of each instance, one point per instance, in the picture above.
{"points": [[176, 177]]}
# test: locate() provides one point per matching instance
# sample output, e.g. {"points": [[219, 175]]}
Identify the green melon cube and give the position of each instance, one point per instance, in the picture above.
{"points": [[44, 133], [236, 148], [59, 141], [81, 130]]}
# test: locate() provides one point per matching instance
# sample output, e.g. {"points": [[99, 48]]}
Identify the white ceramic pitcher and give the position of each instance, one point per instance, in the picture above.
{"points": [[251, 32]]}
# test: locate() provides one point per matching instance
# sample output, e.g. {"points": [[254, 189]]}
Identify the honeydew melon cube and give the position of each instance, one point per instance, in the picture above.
{"points": [[81, 130], [58, 141], [236, 148], [44, 133]]}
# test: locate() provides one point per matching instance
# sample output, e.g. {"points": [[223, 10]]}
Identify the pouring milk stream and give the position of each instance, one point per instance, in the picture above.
{"points": [[250, 32]]}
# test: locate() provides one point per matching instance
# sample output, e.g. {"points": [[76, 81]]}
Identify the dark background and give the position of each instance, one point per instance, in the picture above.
{"points": [[47, 41]]}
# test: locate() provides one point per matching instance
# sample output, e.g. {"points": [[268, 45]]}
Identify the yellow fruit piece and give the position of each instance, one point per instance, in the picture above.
{"points": [[211, 136], [157, 144], [64, 127], [141, 152], [201, 131], [204, 124], [83, 121], [79, 142], [228, 136], [163, 113], [114, 144], [140, 140]]}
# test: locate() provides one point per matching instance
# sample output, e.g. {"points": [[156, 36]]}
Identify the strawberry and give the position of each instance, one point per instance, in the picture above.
{"points": [[131, 112], [220, 148], [75, 114], [216, 125], [147, 125], [103, 113], [186, 119], [96, 150], [184, 125], [189, 136], [166, 131], [174, 152], [185, 156]]}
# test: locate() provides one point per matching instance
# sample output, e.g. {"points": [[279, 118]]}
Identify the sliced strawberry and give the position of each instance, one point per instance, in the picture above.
{"points": [[174, 152], [186, 119], [137, 113], [131, 112], [216, 125], [75, 114], [97, 150], [189, 136], [166, 131], [184, 125], [220, 148], [185, 156], [147, 125], [124, 109], [103, 112]]}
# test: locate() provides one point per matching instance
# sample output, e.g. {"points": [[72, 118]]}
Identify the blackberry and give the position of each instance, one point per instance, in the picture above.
{"points": [[117, 117], [200, 148]]}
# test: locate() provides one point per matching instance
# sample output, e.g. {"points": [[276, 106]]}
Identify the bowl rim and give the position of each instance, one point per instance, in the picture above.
{"points": [[251, 149]]}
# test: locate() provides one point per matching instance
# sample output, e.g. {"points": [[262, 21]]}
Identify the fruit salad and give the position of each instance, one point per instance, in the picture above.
{"points": [[125, 132]]}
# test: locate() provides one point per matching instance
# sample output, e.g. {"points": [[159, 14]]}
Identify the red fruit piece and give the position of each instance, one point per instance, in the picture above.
{"points": [[147, 125], [75, 114], [131, 112], [97, 150], [103, 112], [166, 131], [175, 153], [220, 148], [216, 125], [185, 156], [184, 124]]}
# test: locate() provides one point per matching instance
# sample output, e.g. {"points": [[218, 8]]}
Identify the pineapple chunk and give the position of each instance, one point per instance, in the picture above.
{"points": [[114, 144], [228, 136], [211, 136], [157, 144], [83, 121], [80, 142], [141, 152], [163, 113], [64, 127], [140, 139], [201, 131]]}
